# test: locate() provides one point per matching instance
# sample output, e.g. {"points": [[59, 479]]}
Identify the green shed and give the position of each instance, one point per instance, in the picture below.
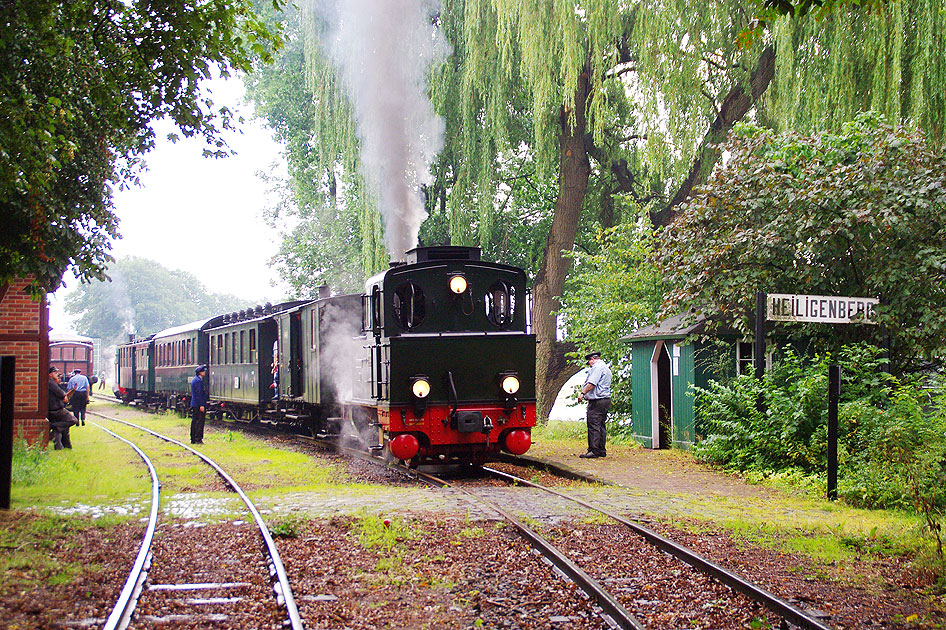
{"points": [[667, 360]]}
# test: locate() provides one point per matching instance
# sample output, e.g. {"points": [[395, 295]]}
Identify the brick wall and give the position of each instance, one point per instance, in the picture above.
{"points": [[24, 334]]}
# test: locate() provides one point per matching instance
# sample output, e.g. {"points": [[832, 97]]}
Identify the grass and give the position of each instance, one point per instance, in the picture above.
{"points": [[35, 549]]}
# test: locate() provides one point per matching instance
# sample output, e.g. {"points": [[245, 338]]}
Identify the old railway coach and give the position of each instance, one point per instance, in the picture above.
{"points": [[434, 362]]}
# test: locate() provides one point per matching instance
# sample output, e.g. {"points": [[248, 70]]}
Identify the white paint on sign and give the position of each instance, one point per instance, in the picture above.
{"points": [[821, 309]]}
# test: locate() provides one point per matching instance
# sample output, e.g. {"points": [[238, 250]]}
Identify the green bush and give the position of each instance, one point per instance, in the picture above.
{"points": [[30, 463], [891, 433]]}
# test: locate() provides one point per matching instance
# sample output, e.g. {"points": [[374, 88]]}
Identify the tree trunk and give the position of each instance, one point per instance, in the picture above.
{"points": [[552, 368], [735, 106]]}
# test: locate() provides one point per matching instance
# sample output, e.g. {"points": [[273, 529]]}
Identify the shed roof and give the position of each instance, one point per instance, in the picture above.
{"points": [[678, 327]]}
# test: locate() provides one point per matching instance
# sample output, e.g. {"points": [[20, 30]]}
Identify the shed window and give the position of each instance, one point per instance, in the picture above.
{"points": [[409, 305], [745, 361]]}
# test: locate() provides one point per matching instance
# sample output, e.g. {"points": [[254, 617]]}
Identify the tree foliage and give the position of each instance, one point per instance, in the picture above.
{"points": [[859, 212], [886, 57], [611, 293], [143, 297], [80, 84]]}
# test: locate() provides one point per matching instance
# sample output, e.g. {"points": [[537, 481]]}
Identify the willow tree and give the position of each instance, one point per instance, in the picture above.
{"points": [[628, 99], [888, 58]]}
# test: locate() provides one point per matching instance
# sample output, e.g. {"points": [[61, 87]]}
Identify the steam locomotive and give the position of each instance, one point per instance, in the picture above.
{"points": [[435, 361]]}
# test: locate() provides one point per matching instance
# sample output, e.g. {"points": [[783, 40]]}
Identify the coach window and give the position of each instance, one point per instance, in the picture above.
{"points": [[219, 349], [55, 354], [67, 354], [409, 306], [226, 348], [252, 345], [501, 303], [242, 345]]}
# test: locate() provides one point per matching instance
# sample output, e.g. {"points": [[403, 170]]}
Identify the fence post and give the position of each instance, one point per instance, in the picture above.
{"points": [[7, 380]]}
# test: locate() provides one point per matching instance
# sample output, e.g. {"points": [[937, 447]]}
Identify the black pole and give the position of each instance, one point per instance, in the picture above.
{"points": [[834, 393], [758, 346], [7, 373]]}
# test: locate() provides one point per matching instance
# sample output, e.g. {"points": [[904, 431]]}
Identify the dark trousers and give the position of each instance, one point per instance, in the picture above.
{"points": [[80, 400], [197, 425], [59, 422], [596, 417]]}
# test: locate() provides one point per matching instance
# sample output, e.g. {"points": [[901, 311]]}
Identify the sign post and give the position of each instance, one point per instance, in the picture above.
{"points": [[834, 393], [822, 309]]}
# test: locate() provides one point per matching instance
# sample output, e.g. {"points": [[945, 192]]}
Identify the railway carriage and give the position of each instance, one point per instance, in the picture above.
{"points": [[69, 352], [178, 351], [135, 371], [241, 355], [317, 343]]}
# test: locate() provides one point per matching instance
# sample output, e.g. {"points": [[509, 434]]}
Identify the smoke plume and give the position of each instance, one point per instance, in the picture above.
{"points": [[383, 50]]}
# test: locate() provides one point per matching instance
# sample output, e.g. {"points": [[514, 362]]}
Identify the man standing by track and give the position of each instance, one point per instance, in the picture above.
{"points": [[198, 405], [79, 384], [597, 391]]}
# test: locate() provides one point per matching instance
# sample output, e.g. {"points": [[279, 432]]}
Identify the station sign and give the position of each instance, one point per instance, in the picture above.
{"points": [[820, 309]]}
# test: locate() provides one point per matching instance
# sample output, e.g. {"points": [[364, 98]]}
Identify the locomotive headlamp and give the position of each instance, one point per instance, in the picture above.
{"points": [[458, 283], [510, 383], [420, 387]]}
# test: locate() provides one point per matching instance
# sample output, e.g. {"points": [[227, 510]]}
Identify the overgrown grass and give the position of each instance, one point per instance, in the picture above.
{"points": [[34, 548]]}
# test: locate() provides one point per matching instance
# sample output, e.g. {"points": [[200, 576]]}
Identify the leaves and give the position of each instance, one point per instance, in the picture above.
{"points": [[858, 212], [80, 84]]}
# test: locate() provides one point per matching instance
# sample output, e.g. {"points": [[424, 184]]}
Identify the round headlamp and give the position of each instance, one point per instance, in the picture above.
{"points": [[458, 284], [420, 388], [510, 384]]}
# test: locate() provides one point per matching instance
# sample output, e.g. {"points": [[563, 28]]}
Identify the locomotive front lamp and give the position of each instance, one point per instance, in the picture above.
{"points": [[420, 386], [510, 384], [458, 284]]}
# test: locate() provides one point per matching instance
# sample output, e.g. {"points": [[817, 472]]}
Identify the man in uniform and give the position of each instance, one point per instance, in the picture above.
{"points": [[82, 391], [597, 391], [198, 405]]}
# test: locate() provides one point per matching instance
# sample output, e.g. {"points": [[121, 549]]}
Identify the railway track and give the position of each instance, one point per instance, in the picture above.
{"points": [[611, 592], [624, 610], [176, 599]]}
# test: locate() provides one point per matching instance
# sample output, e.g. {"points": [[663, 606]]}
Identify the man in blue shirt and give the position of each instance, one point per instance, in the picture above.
{"points": [[597, 391], [80, 399], [198, 405]]}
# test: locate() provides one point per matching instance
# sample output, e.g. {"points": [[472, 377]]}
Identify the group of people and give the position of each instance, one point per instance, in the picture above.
{"points": [[77, 393]]}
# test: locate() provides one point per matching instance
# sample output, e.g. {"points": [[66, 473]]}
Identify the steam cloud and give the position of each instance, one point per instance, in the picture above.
{"points": [[384, 50]]}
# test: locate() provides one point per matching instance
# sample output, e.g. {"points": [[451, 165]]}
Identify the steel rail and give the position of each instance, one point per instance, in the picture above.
{"points": [[281, 587], [128, 599], [608, 603], [774, 603]]}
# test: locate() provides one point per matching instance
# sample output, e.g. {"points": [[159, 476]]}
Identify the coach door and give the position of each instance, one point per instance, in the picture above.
{"points": [[297, 367]]}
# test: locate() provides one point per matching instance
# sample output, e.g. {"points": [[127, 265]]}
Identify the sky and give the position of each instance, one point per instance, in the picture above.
{"points": [[201, 215]]}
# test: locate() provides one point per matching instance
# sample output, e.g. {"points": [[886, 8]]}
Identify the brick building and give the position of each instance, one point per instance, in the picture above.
{"points": [[24, 334]]}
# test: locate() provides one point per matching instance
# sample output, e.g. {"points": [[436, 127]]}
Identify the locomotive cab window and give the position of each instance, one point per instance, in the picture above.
{"points": [[500, 303], [409, 306]]}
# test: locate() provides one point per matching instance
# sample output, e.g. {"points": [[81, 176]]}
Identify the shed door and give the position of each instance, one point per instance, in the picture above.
{"points": [[661, 396]]}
